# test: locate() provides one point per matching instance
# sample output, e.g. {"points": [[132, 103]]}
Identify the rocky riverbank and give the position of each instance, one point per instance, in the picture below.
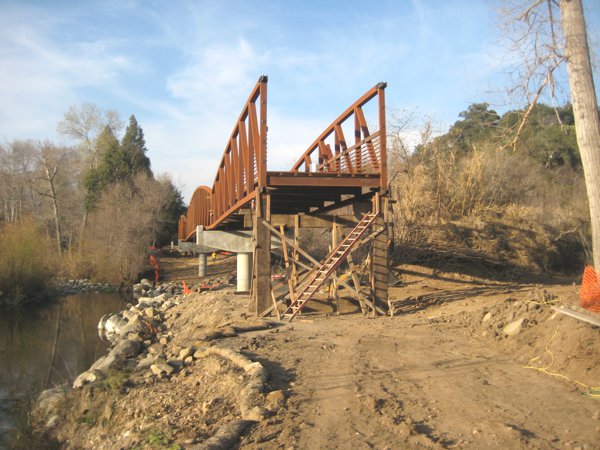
{"points": [[169, 377], [63, 286]]}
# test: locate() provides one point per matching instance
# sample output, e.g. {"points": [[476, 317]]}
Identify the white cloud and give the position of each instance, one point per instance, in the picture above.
{"points": [[217, 71], [39, 76]]}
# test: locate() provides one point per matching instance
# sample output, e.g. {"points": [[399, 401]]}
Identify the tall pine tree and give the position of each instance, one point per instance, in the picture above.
{"points": [[118, 162], [134, 149]]}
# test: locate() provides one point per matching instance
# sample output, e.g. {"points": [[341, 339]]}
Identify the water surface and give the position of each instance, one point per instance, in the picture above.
{"points": [[45, 346]]}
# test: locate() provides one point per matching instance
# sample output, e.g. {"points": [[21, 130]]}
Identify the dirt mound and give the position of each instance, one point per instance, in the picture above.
{"points": [[545, 340]]}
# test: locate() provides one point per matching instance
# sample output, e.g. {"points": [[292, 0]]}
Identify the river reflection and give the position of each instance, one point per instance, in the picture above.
{"points": [[45, 346]]}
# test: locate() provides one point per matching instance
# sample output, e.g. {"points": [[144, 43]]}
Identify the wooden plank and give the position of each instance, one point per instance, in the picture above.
{"points": [[585, 317], [286, 259], [334, 244], [295, 252], [379, 266], [275, 305], [312, 221]]}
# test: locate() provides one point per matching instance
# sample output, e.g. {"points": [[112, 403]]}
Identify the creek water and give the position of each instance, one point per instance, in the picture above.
{"points": [[44, 346]]}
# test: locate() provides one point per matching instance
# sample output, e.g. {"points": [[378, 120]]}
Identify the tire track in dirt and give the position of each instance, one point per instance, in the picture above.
{"points": [[429, 379], [329, 392]]}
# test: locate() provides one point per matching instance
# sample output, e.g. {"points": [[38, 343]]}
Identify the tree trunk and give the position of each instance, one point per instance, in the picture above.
{"points": [[585, 109], [50, 179]]}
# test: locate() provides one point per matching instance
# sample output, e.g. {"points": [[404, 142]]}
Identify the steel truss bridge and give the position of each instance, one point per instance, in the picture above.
{"points": [[346, 165]]}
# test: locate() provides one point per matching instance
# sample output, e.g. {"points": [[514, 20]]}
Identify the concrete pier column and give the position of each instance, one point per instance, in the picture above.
{"points": [[244, 271], [202, 262]]}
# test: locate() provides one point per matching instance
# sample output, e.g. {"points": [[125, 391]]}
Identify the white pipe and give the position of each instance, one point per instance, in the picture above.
{"points": [[202, 264], [244, 271]]}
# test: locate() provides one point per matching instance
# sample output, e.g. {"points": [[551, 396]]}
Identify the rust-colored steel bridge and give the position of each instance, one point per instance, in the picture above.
{"points": [[345, 165], [332, 167]]}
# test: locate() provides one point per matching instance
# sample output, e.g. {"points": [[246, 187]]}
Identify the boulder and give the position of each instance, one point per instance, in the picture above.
{"points": [[104, 363], [514, 327], [126, 349], [145, 363], [185, 352], [159, 369], [86, 377], [48, 403], [150, 312]]}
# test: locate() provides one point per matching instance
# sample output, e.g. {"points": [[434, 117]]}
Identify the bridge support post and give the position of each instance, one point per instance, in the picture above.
{"points": [[202, 258], [379, 256], [244, 271], [262, 276], [261, 300]]}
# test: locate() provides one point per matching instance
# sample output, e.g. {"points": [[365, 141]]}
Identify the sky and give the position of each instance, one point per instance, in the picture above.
{"points": [[186, 68]]}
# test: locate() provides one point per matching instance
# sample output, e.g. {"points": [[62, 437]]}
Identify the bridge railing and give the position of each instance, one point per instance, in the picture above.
{"points": [[242, 169], [198, 212], [243, 166], [367, 155]]}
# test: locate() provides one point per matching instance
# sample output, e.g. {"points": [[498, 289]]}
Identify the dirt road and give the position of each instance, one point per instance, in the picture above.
{"points": [[434, 378]]}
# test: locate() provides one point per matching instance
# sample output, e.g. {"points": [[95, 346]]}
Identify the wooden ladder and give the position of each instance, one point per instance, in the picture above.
{"points": [[331, 262]]}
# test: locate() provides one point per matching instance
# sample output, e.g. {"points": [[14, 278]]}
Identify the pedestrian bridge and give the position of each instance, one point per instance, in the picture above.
{"points": [[338, 182], [347, 162]]}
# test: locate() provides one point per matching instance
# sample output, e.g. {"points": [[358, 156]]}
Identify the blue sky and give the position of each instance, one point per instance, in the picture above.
{"points": [[185, 68]]}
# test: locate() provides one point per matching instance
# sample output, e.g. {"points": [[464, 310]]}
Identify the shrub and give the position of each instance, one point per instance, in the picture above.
{"points": [[125, 221], [26, 262]]}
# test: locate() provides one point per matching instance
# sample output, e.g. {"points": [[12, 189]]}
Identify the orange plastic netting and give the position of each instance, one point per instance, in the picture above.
{"points": [[590, 290]]}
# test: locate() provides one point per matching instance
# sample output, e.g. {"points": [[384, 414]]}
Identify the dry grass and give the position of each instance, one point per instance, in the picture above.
{"points": [[490, 205]]}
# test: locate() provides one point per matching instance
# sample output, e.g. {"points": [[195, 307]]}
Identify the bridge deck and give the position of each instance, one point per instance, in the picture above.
{"points": [[293, 192]]}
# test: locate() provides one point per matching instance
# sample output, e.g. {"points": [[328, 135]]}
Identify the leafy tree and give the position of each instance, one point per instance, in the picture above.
{"points": [[548, 137], [478, 124], [171, 210]]}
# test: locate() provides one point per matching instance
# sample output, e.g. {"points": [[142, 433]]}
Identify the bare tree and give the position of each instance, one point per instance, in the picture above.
{"points": [[543, 43], [585, 109], [123, 224], [83, 123], [17, 166], [52, 161]]}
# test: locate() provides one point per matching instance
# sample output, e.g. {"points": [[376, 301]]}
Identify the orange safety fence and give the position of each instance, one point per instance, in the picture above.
{"points": [[590, 290]]}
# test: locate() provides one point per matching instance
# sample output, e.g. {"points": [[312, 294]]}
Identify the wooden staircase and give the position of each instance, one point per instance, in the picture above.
{"points": [[331, 262]]}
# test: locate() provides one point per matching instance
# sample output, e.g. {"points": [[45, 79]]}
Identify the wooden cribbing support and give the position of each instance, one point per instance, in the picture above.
{"points": [[353, 274], [275, 305], [372, 305], [287, 262]]}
